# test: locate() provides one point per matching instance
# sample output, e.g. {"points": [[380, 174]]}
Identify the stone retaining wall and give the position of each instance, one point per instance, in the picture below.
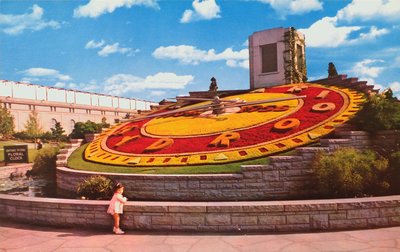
{"points": [[285, 177], [16, 170], [273, 216]]}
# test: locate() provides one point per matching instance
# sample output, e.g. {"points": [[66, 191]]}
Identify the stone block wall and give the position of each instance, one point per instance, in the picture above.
{"points": [[258, 216], [285, 177], [16, 170]]}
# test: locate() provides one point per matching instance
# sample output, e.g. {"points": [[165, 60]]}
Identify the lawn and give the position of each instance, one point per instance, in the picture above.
{"points": [[31, 152], [77, 162]]}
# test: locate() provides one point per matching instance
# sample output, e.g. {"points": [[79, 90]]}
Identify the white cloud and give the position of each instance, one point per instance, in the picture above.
{"points": [[327, 33], [44, 73], [119, 84], [395, 87], [373, 33], [293, 7], [191, 55], [202, 10], [17, 24], [367, 68], [93, 44], [157, 93], [110, 48], [97, 8], [115, 48], [88, 87], [388, 10]]}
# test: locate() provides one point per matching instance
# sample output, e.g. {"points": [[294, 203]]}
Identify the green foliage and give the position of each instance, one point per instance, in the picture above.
{"points": [[394, 162], [81, 129], [380, 112], [32, 126], [348, 172], [45, 161], [6, 123], [104, 123], [96, 187], [58, 133]]}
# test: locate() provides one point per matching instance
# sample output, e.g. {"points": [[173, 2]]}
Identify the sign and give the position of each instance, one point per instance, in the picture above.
{"points": [[16, 154]]}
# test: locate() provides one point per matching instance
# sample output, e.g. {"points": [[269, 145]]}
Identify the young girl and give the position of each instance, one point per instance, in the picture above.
{"points": [[116, 207]]}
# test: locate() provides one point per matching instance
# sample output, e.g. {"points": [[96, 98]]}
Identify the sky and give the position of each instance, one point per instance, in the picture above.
{"points": [[156, 49]]}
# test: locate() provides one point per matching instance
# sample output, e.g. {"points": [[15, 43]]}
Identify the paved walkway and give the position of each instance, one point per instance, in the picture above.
{"points": [[20, 237]]}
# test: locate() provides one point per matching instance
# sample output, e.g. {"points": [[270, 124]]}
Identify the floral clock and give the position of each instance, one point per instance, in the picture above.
{"points": [[234, 128]]}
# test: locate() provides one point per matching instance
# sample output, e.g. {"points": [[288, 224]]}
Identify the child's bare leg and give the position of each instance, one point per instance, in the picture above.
{"points": [[116, 220]]}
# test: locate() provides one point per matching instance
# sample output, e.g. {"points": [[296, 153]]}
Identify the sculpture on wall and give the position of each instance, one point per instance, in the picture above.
{"points": [[332, 70], [213, 86]]}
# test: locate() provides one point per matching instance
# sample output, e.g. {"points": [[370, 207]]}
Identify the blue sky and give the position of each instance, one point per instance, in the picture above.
{"points": [[153, 49]]}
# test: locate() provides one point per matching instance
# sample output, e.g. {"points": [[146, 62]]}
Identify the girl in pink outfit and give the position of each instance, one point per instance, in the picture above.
{"points": [[116, 207]]}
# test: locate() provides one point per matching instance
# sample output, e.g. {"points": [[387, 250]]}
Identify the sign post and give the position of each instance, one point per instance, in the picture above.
{"points": [[16, 154]]}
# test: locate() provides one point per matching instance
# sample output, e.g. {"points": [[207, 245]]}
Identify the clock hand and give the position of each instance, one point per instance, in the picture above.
{"points": [[202, 99], [217, 106], [264, 101]]}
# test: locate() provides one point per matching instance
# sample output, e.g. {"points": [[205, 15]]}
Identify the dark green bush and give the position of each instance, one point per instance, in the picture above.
{"points": [[22, 135], [394, 162], [45, 161], [80, 129], [348, 172], [380, 112], [96, 187]]}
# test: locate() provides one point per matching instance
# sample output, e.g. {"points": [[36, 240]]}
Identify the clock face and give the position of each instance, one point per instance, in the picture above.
{"points": [[234, 128]]}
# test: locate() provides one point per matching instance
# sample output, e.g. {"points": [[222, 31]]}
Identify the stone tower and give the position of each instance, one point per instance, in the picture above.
{"points": [[277, 56]]}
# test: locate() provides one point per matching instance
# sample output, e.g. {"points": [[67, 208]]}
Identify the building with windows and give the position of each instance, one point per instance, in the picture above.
{"points": [[65, 106]]}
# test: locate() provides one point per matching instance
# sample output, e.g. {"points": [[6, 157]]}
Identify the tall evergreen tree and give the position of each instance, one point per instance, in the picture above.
{"points": [[6, 122], [58, 132]]}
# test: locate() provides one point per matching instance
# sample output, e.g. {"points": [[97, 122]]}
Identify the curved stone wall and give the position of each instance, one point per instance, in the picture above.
{"points": [[261, 216], [285, 177]]}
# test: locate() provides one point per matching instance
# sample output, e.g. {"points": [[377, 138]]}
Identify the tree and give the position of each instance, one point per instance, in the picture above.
{"points": [[58, 132], [80, 129], [32, 126], [6, 122]]}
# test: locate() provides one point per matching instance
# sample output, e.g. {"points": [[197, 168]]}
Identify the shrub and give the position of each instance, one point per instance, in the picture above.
{"points": [[348, 172], [45, 161], [80, 129], [380, 112], [96, 187], [22, 135], [394, 162]]}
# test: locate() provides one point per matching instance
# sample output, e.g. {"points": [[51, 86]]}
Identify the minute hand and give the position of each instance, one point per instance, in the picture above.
{"points": [[264, 101], [207, 106]]}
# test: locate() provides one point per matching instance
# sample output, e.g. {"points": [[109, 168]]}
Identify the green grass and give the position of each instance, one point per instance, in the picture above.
{"points": [[77, 162], [31, 152]]}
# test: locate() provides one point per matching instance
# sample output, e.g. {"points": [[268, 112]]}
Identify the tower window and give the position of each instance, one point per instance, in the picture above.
{"points": [[269, 57]]}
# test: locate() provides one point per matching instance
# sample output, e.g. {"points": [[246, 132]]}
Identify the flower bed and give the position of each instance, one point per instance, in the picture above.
{"points": [[262, 129]]}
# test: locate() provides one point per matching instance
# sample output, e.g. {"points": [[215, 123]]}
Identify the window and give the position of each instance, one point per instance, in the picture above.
{"points": [[269, 58], [72, 125], [53, 123]]}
